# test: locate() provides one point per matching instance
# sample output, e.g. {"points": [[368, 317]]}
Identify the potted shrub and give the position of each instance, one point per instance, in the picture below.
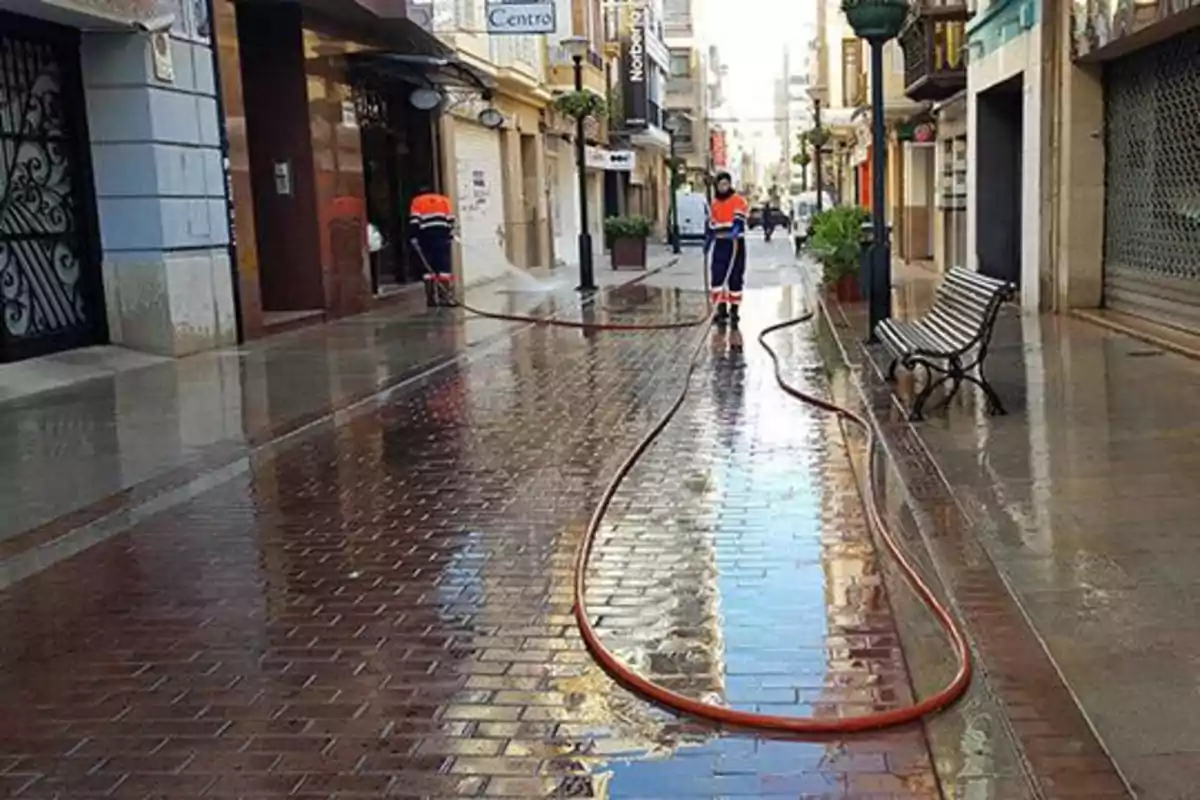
{"points": [[836, 242], [580, 105], [627, 236]]}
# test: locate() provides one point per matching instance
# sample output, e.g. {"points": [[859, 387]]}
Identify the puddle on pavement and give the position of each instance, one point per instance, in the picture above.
{"points": [[736, 567]]}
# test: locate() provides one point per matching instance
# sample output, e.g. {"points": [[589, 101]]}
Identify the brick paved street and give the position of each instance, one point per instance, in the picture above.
{"points": [[382, 608]]}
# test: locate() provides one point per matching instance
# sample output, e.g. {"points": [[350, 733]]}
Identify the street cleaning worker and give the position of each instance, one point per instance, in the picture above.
{"points": [[431, 230], [725, 236]]}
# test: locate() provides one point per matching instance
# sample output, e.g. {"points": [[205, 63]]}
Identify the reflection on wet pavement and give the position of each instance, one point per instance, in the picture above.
{"points": [[130, 439], [382, 608], [1035, 517], [742, 532]]}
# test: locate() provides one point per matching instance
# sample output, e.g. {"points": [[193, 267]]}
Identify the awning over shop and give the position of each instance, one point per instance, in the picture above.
{"points": [[434, 71], [404, 25]]}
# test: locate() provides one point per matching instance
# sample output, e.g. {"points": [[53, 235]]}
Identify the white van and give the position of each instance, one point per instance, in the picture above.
{"points": [[691, 209], [804, 207]]}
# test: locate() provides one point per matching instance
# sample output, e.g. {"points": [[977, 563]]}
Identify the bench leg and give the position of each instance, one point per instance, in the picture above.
{"points": [[931, 385], [955, 383], [994, 406], [891, 370]]}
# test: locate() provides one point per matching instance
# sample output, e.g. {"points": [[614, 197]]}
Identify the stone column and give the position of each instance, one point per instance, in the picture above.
{"points": [[516, 236], [448, 167], [545, 249], [160, 195], [1078, 256]]}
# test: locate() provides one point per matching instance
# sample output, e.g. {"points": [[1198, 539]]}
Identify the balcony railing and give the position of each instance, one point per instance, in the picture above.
{"points": [[933, 39]]}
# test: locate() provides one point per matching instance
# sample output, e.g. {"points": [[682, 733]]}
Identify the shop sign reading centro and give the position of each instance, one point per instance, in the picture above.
{"points": [[509, 18]]}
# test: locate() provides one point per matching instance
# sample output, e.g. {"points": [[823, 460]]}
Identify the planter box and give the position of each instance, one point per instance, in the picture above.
{"points": [[847, 289], [629, 253]]}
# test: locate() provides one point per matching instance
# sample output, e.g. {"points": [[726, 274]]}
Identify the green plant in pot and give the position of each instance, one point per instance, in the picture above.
{"points": [[579, 105], [627, 237], [837, 243], [802, 159]]}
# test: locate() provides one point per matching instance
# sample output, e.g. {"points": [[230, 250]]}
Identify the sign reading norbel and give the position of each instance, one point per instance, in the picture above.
{"points": [[520, 18], [637, 94]]}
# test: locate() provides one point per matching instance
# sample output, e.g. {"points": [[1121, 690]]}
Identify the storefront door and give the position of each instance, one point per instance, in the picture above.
{"points": [[480, 203], [49, 254], [1152, 219]]}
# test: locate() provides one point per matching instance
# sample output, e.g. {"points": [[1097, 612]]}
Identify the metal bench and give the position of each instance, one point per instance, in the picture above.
{"points": [[951, 339]]}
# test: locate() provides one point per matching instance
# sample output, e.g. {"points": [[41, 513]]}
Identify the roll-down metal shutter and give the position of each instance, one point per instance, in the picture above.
{"points": [[480, 203], [1152, 183]]}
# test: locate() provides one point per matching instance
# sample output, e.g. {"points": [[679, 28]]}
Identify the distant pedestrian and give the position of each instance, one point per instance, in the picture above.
{"points": [[431, 231]]}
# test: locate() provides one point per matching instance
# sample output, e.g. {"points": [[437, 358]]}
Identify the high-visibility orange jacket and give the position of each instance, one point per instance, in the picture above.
{"points": [[430, 214], [727, 217]]}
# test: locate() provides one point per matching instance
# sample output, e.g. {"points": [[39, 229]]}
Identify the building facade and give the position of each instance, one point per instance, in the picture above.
{"points": [[1126, 96], [498, 172], [1004, 144], [637, 89], [932, 141], [326, 136], [689, 92], [113, 221], [607, 169]]}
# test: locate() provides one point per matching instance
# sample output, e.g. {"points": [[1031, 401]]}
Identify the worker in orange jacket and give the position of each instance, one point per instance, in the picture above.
{"points": [[431, 230], [725, 236]]}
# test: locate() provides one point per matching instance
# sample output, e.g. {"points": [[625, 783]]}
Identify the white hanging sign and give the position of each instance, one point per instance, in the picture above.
{"points": [[520, 18]]}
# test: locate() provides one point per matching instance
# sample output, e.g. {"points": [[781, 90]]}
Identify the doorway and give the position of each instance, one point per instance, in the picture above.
{"points": [[398, 159], [1000, 123], [50, 286]]}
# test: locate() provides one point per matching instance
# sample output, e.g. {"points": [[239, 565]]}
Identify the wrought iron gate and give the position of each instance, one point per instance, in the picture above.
{"points": [[49, 265], [1152, 180]]}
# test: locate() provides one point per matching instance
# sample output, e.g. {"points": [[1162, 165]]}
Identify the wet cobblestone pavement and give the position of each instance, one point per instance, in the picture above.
{"points": [[382, 608]]}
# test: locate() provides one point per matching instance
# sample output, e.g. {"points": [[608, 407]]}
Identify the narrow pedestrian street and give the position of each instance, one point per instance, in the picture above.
{"points": [[379, 603]]}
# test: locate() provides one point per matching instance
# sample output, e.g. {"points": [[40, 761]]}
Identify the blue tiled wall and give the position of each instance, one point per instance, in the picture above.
{"points": [[155, 147], [1001, 22]]}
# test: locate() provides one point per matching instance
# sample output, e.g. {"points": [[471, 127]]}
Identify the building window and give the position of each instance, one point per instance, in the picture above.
{"points": [[466, 15], [681, 64], [954, 173]]}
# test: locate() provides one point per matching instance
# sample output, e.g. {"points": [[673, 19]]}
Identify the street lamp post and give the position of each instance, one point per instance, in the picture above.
{"points": [[673, 126], [818, 142], [577, 46], [877, 21]]}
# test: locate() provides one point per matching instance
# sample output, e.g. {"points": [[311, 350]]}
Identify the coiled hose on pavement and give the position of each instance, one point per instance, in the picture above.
{"points": [[689, 706]]}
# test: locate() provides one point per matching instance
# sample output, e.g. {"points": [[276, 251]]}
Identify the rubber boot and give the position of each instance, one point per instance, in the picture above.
{"points": [[722, 313], [735, 315], [431, 289]]}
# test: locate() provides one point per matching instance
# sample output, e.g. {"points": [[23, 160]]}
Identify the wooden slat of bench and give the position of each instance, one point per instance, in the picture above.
{"points": [[961, 319], [957, 320], [955, 328]]}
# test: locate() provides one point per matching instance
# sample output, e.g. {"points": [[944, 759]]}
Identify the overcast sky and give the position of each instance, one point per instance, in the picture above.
{"points": [[751, 35]]}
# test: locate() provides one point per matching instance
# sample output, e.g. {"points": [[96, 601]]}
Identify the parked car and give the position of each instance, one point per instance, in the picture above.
{"points": [[778, 215]]}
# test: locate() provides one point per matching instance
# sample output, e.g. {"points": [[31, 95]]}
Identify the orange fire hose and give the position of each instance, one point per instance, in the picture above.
{"points": [[722, 715]]}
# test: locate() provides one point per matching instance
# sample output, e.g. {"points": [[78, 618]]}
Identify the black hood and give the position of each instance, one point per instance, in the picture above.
{"points": [[723, 176]]}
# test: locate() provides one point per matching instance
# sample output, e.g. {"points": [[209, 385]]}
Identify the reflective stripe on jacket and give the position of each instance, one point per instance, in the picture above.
{"points": [[430, 213], [727, 218]]}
